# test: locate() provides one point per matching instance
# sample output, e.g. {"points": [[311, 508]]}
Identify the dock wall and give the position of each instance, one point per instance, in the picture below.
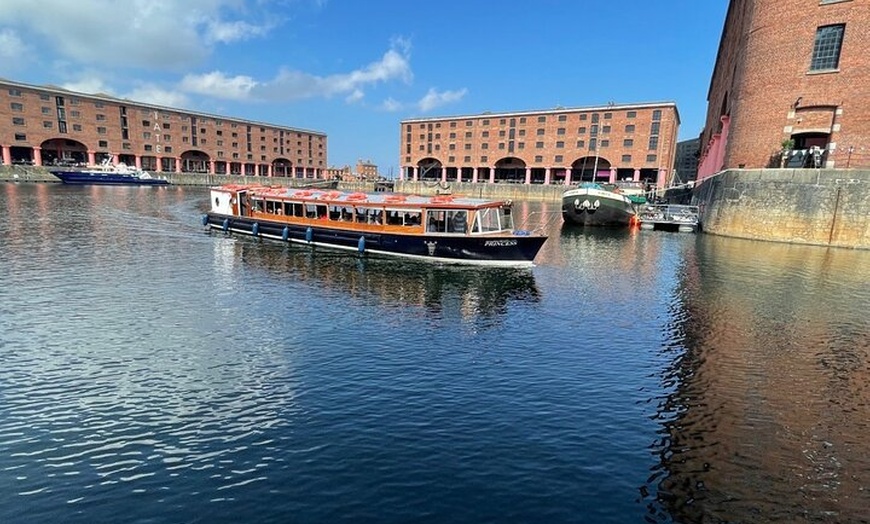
{"points": [[829, 207]]}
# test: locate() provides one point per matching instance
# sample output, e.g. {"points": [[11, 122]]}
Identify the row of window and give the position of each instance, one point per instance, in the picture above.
{"points": [[557, 159], [593, 130], [593, 143], [594, 117]]}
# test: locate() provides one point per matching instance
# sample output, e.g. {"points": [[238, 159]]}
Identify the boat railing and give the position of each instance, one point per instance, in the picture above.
{"points": [[670, 213]]}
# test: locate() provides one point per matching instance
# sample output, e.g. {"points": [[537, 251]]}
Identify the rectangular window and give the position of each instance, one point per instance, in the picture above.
{"points": [[484, 134], [17, 121], [826, 49], [593, 143], [605, 143], [626, 159], [560, 131], [101, 118], [582, 117], [539, 145], [562, 118], [629, 128], [103, 144], [631, 114], [14, 92], [542, 119], [628, 142], [581, 144], [650, 158], [77, 127], [101, 130], [541, 132], [657, 115], [581, 130], [17, 106], [653, 143], [558, 159], [560, 145], [464, 159], [48, 125], [46, 110], [20, 137], [654, 128], [539, 159], [61, 127]]}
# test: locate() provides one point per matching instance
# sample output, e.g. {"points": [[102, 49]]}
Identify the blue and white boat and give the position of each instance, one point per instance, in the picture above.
{"points": [[446, 229], [108, 174]]}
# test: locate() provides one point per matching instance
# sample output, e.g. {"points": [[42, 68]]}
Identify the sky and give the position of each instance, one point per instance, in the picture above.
{"points": [[354, 69]]}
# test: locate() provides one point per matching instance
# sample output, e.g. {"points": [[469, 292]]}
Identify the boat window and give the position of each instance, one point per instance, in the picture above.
{"points": [[436, 221], [315, 211], [369, 215], [411, 218], [256, 205], [487, 220], [341, 213], [457, 221]]}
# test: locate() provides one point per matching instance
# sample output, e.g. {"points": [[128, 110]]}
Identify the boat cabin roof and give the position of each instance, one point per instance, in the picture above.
{"points": [[334, 197]]}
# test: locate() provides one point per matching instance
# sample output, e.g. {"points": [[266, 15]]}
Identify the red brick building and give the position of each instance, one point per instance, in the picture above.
{"points": [[790, 75], [558, 146], [45, 125]]}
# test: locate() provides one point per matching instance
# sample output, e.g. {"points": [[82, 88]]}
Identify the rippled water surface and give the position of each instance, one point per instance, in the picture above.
{"points": [[155, 373]]}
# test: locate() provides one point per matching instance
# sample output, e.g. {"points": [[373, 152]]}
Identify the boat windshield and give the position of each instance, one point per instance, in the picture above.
{"points": [[493, 219]]}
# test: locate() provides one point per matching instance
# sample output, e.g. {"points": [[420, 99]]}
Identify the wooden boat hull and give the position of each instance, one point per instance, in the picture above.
{"points": [[495, 250]]}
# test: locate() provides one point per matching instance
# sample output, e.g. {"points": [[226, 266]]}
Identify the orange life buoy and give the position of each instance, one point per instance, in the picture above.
{"points": [[357, 196]]}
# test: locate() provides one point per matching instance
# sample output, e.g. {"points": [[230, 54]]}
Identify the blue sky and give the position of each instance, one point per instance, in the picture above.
{"points": [[354, 69]]}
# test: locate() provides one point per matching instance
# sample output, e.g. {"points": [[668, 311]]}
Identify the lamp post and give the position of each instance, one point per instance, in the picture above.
{"points": [[849, 156]]}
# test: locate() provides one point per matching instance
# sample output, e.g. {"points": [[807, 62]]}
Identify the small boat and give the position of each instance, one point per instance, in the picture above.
{"points": [[592, 204], [451, 229], [669, 217], [108, 174]]}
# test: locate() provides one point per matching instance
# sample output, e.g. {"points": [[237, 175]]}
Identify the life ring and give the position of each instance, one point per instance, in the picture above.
{"points": [[357, 196], [441, 199], [394, 198], [304, 193]]}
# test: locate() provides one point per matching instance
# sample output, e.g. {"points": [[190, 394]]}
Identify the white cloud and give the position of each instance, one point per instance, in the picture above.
{"points": [[219, 85], [12, 47], [295, 85], [434, 99], [151, 94], [156, 34], [354, 97], [391, 105]]}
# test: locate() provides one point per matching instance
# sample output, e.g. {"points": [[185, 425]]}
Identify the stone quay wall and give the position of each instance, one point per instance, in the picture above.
{"points": [[826, 207]]}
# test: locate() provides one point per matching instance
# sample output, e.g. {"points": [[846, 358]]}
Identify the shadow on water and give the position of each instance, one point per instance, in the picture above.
{"points": [[483, 292], [765, 414]]}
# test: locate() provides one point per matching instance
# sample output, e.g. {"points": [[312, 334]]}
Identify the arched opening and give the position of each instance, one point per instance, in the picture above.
{"points": [[590, 169], [282, 167], [429, 169], [194, 161], [63, 152], [510, 170]]}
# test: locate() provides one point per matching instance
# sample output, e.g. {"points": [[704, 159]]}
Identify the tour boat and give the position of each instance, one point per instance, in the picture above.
{"points": [[591, 204], [108, 174], [445, 228]]}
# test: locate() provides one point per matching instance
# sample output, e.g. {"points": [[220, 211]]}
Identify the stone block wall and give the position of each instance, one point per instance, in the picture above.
{"points": [[829, 207]]}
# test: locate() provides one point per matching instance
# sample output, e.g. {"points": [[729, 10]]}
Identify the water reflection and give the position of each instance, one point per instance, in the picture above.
{"points": [[474, 292], [769, 402]]}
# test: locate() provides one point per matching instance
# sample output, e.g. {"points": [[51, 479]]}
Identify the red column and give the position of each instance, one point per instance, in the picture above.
{"points": [[7, 155], [528, 175], [37, 156]]}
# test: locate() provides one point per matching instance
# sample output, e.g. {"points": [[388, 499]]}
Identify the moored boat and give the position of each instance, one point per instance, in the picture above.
{"points": [[591, 204], [669, 217], [108, 174], [452, 229]]}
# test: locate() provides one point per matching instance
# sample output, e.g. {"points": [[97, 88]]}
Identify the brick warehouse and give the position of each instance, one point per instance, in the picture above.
{"points": [[790, 76], [558, 146], [45, 125]]}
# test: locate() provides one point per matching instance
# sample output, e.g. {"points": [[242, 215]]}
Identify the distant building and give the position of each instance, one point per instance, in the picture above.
{"points": [[686, 163], [366, 170], [557, 146], [338, 173], [44, 125], [790, 75]]}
